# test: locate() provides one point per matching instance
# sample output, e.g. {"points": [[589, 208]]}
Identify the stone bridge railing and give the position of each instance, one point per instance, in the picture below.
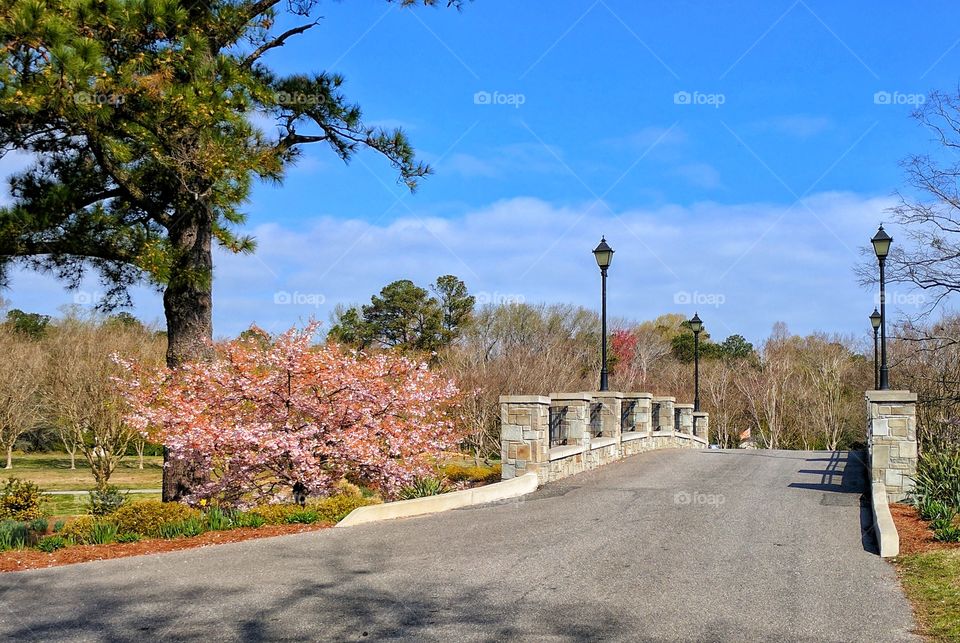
{"points": [[892, 441], [567, 433]]}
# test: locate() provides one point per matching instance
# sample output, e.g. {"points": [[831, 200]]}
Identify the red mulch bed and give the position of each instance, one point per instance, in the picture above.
{"points": [[15, 561], [915, 534]]}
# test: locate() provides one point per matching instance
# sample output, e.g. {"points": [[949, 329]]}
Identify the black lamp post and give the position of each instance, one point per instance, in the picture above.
{"points": [[696, 325], [604, 255], [875, 322], [881, 245]]}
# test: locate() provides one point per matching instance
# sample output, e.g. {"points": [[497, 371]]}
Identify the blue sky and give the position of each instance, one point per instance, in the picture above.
{"points": [[737, 155]]}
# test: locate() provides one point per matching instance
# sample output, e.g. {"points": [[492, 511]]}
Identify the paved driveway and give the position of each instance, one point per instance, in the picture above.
{"points": [[667, 545]]}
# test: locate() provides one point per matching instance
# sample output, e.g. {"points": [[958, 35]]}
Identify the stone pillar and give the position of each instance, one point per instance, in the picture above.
{"points": [[639, 418], [701, 425], [892, 440], [611, 405], [524, 434], [577, 418], [664, 420], [684, 418]]}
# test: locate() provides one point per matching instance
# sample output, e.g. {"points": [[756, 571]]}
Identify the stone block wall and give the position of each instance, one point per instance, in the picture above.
{"points": [[665, 419], [684, 415], [701, 425], [892, 440], [525, 434]]}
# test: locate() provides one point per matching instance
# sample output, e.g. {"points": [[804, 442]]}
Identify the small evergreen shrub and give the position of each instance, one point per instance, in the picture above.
{"points": [[938, 478], [303, 517], [21, 500], [148, 517], [39, 526], [128, 538], [58, 526], [50, 544], [461, 473], [276, 514], [192, 526], [247, 519], [104, 501]]}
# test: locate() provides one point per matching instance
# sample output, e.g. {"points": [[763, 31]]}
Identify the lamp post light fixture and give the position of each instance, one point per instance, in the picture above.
{"points": [[881, 246], [696, 325], [604, 255], [875, 322]]}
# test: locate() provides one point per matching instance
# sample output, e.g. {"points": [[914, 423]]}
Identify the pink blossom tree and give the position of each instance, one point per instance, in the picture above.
{"points": [[267, 416]]}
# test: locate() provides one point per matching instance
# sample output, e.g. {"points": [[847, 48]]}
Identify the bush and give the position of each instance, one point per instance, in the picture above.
{"points": [[303, 517], [938, 478], [347, 488], [336, 508], [148, 517], [58, 526], [423, 487], [13, 535], [103, 533], [276, 514], [948, 534], [128, 538], [51, 544], [21, 500], [104, 501], [78, 531], [930, 509], [462, 473], [247, 519], [39, 526]]}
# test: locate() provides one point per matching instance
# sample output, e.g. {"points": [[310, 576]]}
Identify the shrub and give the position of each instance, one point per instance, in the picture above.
{"points": [[276, 514], [13, 535], [930, 509], [51, 544], [78, 531], [336, 508], [148, 517], [949, 534], [58, 526], [104, 501], [128, 538], [247, 519], [347, 488], [39, 525], [938, 478], [21, 500], [103, 533], [303, 517], [461, 473], [423, 487]]}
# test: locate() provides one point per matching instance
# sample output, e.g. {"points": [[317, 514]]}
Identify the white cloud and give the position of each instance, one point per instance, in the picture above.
{"points": [[799, 126], [766, 262]]}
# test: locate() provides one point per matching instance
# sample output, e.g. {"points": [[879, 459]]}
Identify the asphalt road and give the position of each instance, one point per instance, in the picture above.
{"points": [[664, 546]]}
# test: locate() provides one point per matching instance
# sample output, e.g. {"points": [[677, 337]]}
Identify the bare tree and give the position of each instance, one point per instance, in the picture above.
{"points": [[19, 389]]}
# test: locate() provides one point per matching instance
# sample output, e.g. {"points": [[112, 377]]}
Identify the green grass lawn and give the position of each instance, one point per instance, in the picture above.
{"points": [[52, 472], [932, 582]]}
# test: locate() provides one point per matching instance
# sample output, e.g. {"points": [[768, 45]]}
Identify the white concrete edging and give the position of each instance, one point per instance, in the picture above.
{"points": [[888, 540], [512, 488]]}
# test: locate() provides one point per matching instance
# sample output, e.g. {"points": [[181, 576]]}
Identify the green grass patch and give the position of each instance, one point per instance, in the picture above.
{"points": [[53, 473], [932, 582], [61, 505]]}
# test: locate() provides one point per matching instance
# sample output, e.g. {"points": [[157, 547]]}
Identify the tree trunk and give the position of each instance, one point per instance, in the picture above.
{"points": [[73, 460], [188, 306], [9, 458]]}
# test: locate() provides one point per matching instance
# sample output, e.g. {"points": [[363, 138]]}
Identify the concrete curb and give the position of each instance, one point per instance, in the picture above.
{"points": [[888, 540], [513, 488]]}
